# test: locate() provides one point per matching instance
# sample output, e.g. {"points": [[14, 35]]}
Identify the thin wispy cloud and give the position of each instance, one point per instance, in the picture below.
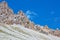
{"points": [[31, 14]]}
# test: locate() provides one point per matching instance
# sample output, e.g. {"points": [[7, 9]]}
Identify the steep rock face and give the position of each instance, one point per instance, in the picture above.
{"points": [[57, 33], [7, 16]]}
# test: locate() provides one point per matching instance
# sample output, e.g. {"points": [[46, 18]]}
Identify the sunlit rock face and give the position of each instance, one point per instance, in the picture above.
{"points": [[24, 28], [18, 32], [7, 16]]}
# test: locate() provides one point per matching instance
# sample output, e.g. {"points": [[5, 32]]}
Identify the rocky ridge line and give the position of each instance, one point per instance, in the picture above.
{"points": [[7, 16]]}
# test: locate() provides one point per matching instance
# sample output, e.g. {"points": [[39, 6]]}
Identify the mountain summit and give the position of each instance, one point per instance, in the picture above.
{"points": [[24, 29]]}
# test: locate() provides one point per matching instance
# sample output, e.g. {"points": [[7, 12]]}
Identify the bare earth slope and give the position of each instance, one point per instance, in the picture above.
{"points": [[18, 32]]}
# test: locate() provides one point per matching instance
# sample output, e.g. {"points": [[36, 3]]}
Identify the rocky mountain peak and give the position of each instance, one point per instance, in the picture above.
{"points": [[7, 16]]}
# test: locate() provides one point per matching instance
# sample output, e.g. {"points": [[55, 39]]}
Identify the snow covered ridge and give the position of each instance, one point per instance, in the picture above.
{"points": [[18, 32], [8, 17]]}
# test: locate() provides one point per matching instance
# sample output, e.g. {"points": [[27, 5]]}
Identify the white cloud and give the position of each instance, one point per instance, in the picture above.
{"points": [[28, 16], [31, 14]]}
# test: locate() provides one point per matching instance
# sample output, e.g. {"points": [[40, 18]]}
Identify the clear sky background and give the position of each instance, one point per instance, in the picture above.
{"points": [[43, 12]]}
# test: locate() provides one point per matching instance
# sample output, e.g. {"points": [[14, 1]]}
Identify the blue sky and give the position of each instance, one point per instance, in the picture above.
{"points": [[43, 12]]}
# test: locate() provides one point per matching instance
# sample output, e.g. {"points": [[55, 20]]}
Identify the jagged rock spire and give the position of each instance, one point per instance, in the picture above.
{"points": [[7, 16], [5, 3], [45, 27], [21, 13]]}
